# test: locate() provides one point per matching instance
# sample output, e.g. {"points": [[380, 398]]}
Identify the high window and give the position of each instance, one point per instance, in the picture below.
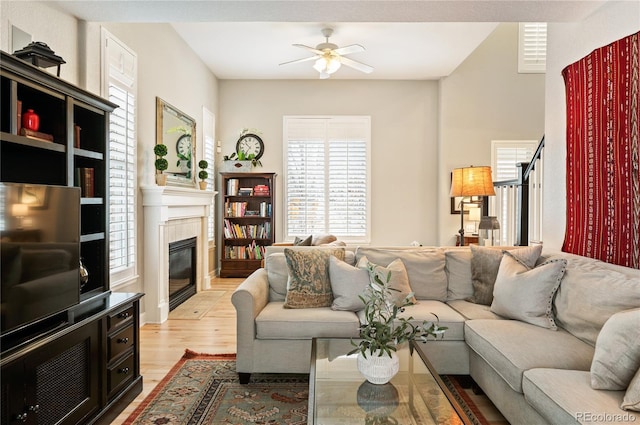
{"points": [[327, 177], [532, 48], [120, 87]]}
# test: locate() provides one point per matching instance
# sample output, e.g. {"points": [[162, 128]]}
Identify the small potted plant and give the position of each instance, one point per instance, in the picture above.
{"points": [[161, 164], [203, 175], [384, 329]]}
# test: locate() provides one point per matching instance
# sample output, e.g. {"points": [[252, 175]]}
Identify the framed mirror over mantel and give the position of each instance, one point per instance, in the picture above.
{"points": [[177, 131]]}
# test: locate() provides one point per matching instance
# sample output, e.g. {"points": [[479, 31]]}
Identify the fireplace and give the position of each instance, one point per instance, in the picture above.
{"points": [[182, 271]]}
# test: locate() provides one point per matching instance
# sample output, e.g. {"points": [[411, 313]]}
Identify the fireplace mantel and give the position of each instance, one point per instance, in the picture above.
{"points": [[172, 213]]}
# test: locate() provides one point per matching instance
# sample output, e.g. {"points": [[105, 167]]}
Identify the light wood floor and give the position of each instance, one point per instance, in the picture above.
{"points": [[161, 346]]}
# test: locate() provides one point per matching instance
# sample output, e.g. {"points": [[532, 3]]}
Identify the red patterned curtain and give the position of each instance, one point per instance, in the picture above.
{"points": [[603, 178]]}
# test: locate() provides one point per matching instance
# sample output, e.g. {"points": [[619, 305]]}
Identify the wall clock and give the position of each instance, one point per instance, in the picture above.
{"points": [[250, 144], [183, 146]]}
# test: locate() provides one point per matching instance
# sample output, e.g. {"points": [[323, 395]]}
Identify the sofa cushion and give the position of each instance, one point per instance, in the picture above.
{"points": [[323, 239], [277, 322], [276, 266], [347, 284], [525, 293], [448, 317], [308, 285], [425, 268], [617, 355], [631, 399], [566, 397], [510, 347], [591, 292], [458, 269], [471, 311], [485, 262], [395, 272]]}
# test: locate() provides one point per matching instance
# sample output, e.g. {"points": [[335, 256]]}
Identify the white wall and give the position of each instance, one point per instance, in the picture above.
{"points": [[404, 119], [569, 42], [484, 99]]}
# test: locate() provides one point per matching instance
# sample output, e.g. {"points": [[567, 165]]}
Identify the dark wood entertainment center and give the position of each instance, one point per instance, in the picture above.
{"points": [[82, 365]]}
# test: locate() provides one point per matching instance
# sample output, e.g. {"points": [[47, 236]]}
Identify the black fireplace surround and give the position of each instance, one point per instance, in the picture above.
{"points": [[182, 271]]}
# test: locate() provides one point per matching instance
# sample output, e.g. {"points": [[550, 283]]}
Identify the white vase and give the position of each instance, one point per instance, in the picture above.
{"points": [[378, 369]]}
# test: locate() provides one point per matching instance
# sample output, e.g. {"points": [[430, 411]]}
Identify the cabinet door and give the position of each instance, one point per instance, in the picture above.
{"points": [[62, 378]]}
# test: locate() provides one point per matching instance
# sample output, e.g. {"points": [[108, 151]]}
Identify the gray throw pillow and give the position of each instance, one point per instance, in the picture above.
{"points": [[303, 242], [399, 279], [347, 284], [525, 293], [617, 355], [631, 399], [485, 263]]}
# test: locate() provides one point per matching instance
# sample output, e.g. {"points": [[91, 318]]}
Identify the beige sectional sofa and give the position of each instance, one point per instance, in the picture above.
{"points": [[533, 374]]}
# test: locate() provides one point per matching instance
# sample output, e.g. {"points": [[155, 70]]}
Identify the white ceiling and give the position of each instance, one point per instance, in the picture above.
{"points": [[247, 39]]}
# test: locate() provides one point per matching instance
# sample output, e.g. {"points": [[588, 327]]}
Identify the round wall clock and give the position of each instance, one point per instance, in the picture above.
{"points": [[250, 144], [183, 145]]}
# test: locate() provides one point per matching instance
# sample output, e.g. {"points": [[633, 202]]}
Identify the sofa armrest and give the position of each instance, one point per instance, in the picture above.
{"points": [[249, 299]]}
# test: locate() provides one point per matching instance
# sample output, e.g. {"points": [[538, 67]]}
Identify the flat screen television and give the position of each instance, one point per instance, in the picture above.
{"points": [[39, 253]]}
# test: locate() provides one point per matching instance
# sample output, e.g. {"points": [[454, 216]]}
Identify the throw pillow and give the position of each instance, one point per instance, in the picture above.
{"points": [[302, 242], [617, 355], [308, 285], [485, 263], [526, 294], [347, 284], [631, 399], [399, 279], [323, 239]]}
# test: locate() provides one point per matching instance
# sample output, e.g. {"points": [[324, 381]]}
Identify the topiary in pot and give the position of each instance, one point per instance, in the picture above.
{"points": [[203, 173], [161, 164]]}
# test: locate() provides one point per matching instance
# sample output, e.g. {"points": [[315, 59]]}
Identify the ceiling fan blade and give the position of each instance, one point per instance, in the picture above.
{"points": [[353, 48], [300, 60], [311, 49], [357, 65]]}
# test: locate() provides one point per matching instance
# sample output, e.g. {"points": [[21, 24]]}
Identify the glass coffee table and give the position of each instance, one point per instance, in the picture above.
{"points": [[339, 394]]}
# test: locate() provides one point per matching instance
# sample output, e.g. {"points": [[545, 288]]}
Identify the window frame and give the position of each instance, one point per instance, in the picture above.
{"points": [[128, 273], [364, 120]]}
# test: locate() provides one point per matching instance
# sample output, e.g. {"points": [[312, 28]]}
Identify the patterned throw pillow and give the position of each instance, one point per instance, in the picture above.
{"points": [[485, 263], [309, 285]]}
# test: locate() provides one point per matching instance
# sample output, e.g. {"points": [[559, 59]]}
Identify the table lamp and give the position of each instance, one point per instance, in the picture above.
{"points": [[467, 182]]}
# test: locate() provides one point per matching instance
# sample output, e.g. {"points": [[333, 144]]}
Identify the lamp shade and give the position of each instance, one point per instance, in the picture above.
{"points": [[472, 181]]}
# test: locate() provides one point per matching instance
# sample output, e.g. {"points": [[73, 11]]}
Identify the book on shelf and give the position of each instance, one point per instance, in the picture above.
{"points": [[245, 191], [252, 251], [246, 231], [85, 179], [235, 209], [265, 209], [261, 190], [232, 187], [36, 135]]}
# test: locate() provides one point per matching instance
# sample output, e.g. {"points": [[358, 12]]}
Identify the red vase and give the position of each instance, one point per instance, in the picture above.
{"points": [[30, 120]]}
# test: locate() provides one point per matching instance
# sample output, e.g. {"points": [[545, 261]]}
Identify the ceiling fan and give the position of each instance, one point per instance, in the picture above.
{"points": [[329, 57]]}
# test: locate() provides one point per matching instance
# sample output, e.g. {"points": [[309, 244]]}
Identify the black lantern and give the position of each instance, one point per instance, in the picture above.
{"points": [[39, 54]]}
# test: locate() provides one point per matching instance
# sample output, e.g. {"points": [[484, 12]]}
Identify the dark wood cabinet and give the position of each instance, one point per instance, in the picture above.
{"points": [[85, 368], [249, 221]]}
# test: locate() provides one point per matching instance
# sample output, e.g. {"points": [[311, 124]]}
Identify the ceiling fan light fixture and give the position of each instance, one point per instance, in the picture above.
{"points": [[327, 64]]}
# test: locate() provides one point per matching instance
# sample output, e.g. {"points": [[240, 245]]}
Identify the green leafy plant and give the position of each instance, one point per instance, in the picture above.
{"points": [[160, 150], [384, 329], [240, 156], [203, 167]]}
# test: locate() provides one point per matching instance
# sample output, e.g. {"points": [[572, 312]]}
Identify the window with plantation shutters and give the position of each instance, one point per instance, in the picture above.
{"points": [[532, 47], [327, 177], [120, 85], [507, 153]]}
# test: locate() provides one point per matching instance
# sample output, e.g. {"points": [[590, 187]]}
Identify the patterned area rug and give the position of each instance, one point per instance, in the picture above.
{"points": [[204, 389]]}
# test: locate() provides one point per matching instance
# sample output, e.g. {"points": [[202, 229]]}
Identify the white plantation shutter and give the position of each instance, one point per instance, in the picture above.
{"points": [[327, 177], [507, 153], [120, 86], [208, 130], [532, 47]]}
